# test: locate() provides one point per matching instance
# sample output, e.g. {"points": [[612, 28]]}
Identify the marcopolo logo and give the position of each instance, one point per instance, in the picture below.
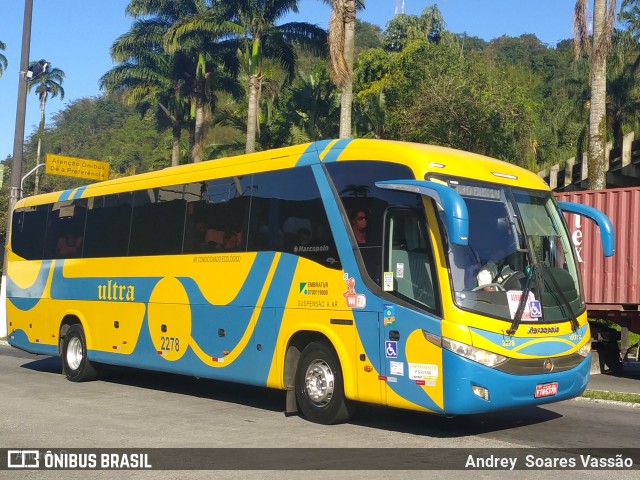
{"points": [[543, 330]]}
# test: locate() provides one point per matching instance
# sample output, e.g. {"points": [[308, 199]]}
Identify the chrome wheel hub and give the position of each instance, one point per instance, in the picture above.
{"points": [[74, 353], [319, 382]]}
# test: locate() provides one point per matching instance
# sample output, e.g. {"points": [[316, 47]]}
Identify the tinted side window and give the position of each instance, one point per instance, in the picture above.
{"points": [[65, 229], [157, 226], [27, 232], [409, 257], [287, 215], [355, 183], [217, 215], [108, 223]]}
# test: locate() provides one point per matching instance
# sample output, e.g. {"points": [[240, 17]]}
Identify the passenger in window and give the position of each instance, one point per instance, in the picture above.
{"points": [[68, 245], [359, 226], [222, 240], [230, 240], [199, 236]]}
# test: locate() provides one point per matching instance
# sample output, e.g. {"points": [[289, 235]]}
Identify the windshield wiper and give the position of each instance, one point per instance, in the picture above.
{"points": [[572, 316], [540, 279], [522, 303]]}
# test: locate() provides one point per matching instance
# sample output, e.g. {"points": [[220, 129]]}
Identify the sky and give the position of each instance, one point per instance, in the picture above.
{"points": [[76, 35]]}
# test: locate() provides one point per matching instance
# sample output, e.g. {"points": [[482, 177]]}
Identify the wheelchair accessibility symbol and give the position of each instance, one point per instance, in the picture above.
{"points": [[535, 308], [391, 349]]}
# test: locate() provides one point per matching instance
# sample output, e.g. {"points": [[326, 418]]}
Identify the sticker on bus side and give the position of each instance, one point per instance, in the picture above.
{"points": [[513, 298], [354, 300], [424, 373], [387, 284], [396, 368]]}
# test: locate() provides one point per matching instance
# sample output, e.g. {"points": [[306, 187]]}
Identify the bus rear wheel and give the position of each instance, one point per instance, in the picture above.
{"points": [[75, 364], [320, 386]]}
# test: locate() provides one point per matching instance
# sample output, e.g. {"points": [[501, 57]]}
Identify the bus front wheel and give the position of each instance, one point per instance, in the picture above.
{"points": [[320, 386], [75, 364]]}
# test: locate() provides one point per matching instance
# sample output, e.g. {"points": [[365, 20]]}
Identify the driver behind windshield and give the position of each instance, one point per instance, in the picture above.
{"points": [[495, 270]]}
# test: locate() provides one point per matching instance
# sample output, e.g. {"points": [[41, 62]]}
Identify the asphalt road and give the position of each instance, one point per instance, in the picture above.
{"points": [[134, 409]]}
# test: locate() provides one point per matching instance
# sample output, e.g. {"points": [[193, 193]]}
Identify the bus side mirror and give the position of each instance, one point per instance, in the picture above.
{"points": [[455, 210], [599, 218]]}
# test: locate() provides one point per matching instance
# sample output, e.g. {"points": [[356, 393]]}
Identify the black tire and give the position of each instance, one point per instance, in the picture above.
{"points": [[320, 386], [75, 364]]}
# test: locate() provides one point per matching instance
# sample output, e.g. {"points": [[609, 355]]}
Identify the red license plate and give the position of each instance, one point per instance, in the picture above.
{"points": [[546, 389]]}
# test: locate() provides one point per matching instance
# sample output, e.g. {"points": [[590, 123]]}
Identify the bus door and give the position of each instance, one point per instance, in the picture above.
{"points": [[409, 279]]}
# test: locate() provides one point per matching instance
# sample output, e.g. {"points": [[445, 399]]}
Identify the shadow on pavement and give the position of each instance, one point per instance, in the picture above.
{"points": [[418, 423], [371, 416], [45, 365], [247, 395]]}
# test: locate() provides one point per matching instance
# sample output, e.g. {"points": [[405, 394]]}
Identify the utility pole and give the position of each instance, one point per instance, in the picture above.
{"points": [[18, 144], [18, 138]]}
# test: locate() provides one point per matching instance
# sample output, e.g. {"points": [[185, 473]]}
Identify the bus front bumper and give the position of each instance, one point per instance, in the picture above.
{"points": [[502, 390]]}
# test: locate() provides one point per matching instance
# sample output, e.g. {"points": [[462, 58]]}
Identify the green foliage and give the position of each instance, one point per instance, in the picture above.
{"points": [[100, 129], [311, 106], [404, 29], [368, 36], [514, 98], [434, 95], [3, 60], [400, 30], [612, 396], [633, 337], [470, 43]]}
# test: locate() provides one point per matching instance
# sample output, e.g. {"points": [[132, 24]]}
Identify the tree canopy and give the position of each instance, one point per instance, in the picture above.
{"points": [[514, 98]]}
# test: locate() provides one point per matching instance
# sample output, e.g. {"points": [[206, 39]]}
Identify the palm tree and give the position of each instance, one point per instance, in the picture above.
{"points": [[314, 102], [196, 62], [623, 102], [341, 42], [209, 39], [150, 78], [603, 21], [264, 39], [3, 60], [48, 83]]}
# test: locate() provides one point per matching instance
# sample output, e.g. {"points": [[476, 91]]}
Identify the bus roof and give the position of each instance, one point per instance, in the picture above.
{"points": [[425, 159], [422, 159]]}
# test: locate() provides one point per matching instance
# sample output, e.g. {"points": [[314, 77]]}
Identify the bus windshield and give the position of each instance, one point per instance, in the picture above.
{"points": [[518, 244]]}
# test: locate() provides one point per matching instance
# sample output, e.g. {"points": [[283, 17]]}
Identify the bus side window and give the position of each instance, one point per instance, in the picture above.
{"points": [[65, 229], [28, 231], [355, 184], [69, 245], [409, 256], [108, 225], [287, 215], [217, 215], [157, 225]]}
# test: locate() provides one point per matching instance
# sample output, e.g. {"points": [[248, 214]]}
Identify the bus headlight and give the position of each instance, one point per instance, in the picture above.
{"points": [[585, 350], [484, 357]]}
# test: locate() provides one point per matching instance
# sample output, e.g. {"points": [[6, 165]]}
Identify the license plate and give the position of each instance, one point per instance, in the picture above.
{"points": [[546, 389]]}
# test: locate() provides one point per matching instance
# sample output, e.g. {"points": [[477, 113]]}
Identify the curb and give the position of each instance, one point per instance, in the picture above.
{"points": [[608, 402]]}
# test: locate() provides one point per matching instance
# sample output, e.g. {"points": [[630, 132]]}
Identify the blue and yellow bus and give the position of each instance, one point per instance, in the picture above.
{"points": [[341, 271]]}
